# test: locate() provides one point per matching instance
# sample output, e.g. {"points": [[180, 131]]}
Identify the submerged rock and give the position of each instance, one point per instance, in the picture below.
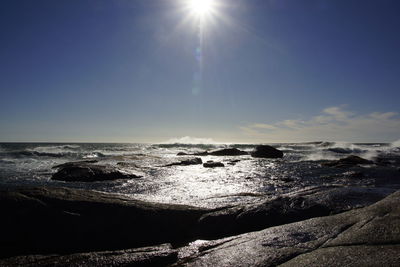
{"points": [[348, 162], [213, 164], [265, 151], [194, 161]]}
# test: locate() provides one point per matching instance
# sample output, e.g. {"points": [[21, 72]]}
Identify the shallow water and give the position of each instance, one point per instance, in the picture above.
{"points": [[247, 181]]}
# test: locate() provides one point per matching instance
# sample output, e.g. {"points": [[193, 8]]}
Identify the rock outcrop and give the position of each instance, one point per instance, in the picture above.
{"points": [[85, 171], [290, 208], [79, 224], [265, 151], [228, 152], [220, 152], [213, 164], [194, 161], [348, 162], [362, 237], [60, 220]]}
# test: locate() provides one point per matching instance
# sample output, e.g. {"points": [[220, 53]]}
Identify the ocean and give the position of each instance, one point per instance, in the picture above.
{"points": [[244, 179]]}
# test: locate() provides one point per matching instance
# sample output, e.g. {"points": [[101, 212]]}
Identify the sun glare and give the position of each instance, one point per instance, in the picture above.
{"points": [[201, 8]]}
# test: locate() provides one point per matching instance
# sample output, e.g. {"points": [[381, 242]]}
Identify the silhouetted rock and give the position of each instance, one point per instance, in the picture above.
{"points": [[60, 220], [221, 152], [85, 172], [348, 162], [228, 152], [213, 164], [161, 255], [341, 150], [194, 161], [265, 151], [360, 237]]}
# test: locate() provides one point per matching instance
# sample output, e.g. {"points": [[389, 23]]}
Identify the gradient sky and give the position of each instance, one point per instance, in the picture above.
{"points": [[128, 71]]}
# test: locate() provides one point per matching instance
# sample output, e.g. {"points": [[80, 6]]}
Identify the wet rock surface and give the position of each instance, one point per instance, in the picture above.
{"points": [[161, 255], [265, 151], [289, 208], [86, 171], [345, 239]]}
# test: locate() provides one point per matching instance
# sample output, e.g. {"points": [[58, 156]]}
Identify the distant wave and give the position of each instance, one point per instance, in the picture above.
{"points": [[336, 150], [187, 140], [395, 144]]}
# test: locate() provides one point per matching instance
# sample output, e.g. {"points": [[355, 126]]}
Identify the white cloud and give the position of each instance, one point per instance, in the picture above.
{"points": [[333, 123]]}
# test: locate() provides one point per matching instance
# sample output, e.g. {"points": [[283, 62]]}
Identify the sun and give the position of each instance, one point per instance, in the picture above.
{"points": [[201, 8]]}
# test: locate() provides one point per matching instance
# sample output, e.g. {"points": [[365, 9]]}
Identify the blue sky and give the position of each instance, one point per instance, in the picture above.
{"points": [[127, 71]]}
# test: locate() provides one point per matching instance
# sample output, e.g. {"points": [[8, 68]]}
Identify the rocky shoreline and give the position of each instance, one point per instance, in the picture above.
{"points": [[43, 226]]}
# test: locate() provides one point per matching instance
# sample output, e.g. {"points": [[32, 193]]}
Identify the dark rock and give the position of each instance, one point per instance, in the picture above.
{"points": [[161, 255], [285, 209], [64, 221], [83, 172], [194, 161], [228, 152], [265, 151], [61, 220], [362, 237], [348, 162], [213, 164], [341, 150], [221, 152]]}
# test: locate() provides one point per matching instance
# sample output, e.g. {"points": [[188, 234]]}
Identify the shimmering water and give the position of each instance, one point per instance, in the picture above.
{"points": [[246, 181]]}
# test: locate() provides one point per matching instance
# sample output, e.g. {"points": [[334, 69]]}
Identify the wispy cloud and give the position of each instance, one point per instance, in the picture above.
{"points": [[333, 123]]}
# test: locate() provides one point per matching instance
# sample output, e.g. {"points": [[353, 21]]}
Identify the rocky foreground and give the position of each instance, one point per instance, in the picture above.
{"points": [[49, 226]]}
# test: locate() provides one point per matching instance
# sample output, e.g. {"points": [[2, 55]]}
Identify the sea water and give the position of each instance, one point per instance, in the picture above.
{"points": [[244, 181]]}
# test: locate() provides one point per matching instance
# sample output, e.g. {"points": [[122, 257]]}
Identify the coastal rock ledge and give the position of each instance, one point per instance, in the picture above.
{"points": [[70, 227]]}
